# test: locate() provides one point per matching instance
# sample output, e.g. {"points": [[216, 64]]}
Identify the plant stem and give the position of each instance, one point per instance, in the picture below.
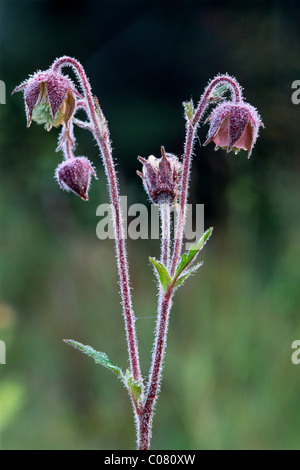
{"points": [[145, 418], [192, 125], [101, 135], [187, 160], [165, 301], [165, 217], [99, 129]]}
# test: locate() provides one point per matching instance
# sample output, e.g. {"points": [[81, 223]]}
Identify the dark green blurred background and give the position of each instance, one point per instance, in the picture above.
{"points": [[229, 382]]}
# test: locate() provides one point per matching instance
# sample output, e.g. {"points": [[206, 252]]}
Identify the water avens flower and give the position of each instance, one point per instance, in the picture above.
{"points": [[75, 175], [161, 177], [49, 98], [234, 126], [52, 99]]}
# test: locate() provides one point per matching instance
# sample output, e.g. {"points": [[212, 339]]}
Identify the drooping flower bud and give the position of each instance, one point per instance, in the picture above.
{"points": [[234, 126], [75, 175], [49, 98], [161, 177]]}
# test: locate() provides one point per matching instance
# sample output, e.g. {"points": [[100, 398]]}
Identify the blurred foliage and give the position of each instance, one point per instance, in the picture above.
{"points": [[229, 381]]}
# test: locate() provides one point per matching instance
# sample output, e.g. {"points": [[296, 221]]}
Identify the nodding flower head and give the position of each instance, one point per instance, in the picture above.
{"points": [[75, 175], [234, 126], [49, 98], [161, 177]]}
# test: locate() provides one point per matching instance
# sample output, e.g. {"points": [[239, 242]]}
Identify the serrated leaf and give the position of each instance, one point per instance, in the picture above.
{"points": [[164, 276], [187, 274], [190, 256], [99, 357]]}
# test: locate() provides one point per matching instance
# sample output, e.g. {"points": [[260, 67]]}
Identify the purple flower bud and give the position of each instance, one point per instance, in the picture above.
{"points": [[161, 177], [49, 98], [234, 126], [74, 175]]}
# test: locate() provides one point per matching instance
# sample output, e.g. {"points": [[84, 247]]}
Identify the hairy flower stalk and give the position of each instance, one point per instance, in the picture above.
{"points": [[192, 121], [52, 99], [161, 178], [165, 217], [165, 301], [52, 89], [101, 135], [146, 417]]}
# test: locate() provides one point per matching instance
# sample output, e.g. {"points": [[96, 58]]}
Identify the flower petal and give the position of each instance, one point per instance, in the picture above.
{"points": [[164, 169], [222, 136], [238, 120], [218, 115], [246, 141], [57, 88], [31, 96]]}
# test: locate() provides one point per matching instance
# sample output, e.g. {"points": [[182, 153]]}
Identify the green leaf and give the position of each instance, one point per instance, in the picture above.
{"points": [[164, 276], [99, 357], [187, 274], [218, 93], [135, 387], [190, 256], [189, 109]]}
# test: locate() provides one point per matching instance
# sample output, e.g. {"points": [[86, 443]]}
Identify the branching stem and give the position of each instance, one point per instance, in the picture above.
{"points": [[101, 135], [191, 129], [165, 302], [98, 126]]}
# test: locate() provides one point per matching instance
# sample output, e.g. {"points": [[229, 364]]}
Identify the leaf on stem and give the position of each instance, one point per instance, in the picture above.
{"points": [[188, 258], [164, 276], [180, 279], [100, 113], [135, 387], [99, 357], [189, 109], [217, 93]]}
